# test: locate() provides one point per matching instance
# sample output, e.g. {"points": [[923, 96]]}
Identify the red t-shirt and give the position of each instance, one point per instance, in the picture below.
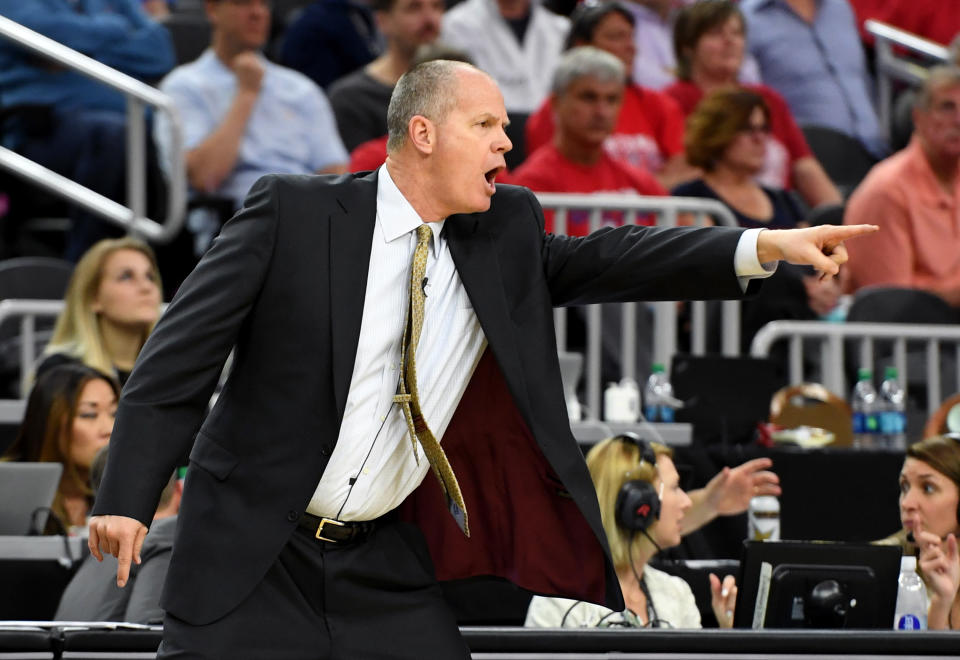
{"points": [[547, 170], [786, 143], [649, 129], [369, 156]]}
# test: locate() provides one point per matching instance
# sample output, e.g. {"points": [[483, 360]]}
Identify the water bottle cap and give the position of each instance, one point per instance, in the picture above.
{"points": [[657, 368], [864, 374], [890, 372], [908, 563]]}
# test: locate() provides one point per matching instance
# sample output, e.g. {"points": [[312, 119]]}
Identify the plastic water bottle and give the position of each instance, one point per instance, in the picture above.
{"points": [[893, 405], [763, 519], [863, 402], [658, 397], [911, 612]]}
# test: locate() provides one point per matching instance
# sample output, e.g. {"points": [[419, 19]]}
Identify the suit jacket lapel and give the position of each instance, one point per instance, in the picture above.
{"points": [[475, 256], [351, 234]]}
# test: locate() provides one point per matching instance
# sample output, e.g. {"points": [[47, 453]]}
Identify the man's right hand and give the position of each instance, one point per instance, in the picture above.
{"points": [[249, 71], [119, 536]]}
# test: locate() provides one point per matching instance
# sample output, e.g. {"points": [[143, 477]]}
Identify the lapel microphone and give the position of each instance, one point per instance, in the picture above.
{"points": [[423, 286]]}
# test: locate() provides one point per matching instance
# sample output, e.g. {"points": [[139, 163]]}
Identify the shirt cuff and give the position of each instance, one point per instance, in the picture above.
{"points": [[745, 262]]}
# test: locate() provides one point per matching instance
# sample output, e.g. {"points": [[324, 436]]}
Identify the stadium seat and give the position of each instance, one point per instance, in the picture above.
{"points": [[30, 278], [190, 33], [826, 214], [516, 132], [844, 158]]}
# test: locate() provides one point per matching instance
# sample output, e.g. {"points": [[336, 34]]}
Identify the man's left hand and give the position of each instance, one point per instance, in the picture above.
{"points": [[821, 247]]}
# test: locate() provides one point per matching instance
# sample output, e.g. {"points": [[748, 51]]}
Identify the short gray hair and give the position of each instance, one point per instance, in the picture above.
{"points": [[586, 61], [426, 90], [944, 75], [953, 50]]}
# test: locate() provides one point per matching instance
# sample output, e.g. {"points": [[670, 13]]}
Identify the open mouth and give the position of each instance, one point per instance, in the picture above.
{"points": [[491, 176]]}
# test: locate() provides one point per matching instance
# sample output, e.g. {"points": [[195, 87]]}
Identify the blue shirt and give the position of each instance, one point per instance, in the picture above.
{"points": [[291, 130], [115, 32], [819, 68]]}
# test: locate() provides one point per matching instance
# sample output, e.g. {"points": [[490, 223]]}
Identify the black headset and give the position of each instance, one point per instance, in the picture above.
{"points": [[638, 504]]}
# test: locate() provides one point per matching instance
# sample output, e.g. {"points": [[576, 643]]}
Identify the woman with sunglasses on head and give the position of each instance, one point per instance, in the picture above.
{"points": [[726, 138], [929, 512], [643, 509]]}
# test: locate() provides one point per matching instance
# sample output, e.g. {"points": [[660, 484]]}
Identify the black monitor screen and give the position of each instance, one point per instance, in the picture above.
{"points": [[792, 584], [724, 397]]}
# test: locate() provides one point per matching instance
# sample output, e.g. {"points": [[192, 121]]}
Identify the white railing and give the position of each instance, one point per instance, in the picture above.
{"points": [[891, 65], [666, 211], [832, 336], [28, 311], [138, 95]]}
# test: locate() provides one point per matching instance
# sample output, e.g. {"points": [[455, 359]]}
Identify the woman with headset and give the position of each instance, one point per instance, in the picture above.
{"points": [[930, 515], [643, 509]]}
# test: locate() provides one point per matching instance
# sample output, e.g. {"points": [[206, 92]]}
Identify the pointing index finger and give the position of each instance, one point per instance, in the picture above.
{"points": [[837, 233], [124, 558]]}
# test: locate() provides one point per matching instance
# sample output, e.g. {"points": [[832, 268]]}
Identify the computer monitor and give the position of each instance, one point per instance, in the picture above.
{"points": [[26, 494], [797, 584], [724, 397]]}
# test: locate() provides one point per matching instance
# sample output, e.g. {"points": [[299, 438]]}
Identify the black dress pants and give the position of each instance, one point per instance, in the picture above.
{"points": [[377, 598]]}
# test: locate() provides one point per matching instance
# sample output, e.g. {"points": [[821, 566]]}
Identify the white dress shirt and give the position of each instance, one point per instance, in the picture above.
{"points": [[374, 447], [523, 71], [372, 468]]}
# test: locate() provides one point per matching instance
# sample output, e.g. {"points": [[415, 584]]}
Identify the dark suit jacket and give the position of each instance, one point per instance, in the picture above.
{"points": [[285, 283]]}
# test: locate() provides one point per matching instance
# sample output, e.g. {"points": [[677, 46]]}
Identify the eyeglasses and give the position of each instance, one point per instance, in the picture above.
{"points": [[266, 4], [756, 129]]}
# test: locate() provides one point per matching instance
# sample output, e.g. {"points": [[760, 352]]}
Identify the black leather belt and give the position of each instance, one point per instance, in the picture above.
{"points": [[336, 531]]}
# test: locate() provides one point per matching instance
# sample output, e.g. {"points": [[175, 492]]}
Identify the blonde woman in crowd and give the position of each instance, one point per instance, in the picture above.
{"points": [[112, 303], [643, 509]]}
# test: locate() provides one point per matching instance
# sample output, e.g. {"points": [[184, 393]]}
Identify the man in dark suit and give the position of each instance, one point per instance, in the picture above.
{"points": [[307, 529]]}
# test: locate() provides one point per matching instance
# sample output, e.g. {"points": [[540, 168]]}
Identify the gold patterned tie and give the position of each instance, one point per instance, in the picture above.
{"points": [[407, 395]]}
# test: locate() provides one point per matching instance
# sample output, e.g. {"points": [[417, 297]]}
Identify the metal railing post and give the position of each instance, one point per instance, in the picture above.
{"points": [[667, 210], [136, 162], [890, 66], [833, 334], [138, 95]]}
